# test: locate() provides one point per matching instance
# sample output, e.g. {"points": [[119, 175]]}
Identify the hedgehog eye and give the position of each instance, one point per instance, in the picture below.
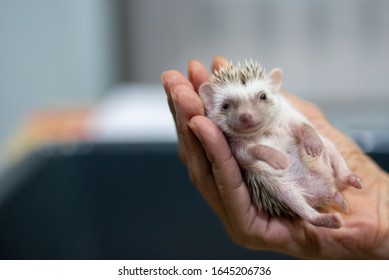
{"points": [[263, 96], [226, 106]]}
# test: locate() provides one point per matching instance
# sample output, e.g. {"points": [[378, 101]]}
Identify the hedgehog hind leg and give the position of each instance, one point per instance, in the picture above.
{"points": [[276, 200], [306, 212], [297, 203], [342, 171]]}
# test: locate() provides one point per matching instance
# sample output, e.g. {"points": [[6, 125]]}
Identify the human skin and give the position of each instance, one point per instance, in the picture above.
{"points": [[216, 174]]}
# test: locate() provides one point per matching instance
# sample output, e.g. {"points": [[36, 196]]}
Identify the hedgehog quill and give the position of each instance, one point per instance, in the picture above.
{"points": [[289, 168]]}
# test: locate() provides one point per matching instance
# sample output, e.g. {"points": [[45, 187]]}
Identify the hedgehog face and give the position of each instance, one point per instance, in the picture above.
{"points": [[242, 107], [245, 111]]}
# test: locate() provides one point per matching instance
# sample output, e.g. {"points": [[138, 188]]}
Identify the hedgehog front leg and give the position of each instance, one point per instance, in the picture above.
{"points": [[309, 139], [271, 156]]}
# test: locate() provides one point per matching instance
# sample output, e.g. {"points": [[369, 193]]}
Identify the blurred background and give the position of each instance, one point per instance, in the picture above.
{"points": [[78, 75]]}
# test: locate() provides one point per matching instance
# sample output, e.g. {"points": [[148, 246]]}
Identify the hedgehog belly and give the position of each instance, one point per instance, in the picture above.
{"points": [[262, 190]]}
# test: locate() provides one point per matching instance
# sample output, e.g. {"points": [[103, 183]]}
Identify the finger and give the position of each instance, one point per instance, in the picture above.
{"points": [[170, 79], [197, 73], [219, 62], [233, 192], [188, 104]]}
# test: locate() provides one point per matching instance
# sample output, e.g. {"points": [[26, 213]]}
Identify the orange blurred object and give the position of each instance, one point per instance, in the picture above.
{"points": [[48, 127]]}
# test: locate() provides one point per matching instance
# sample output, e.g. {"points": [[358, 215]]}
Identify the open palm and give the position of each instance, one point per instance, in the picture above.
{"points": [[216, 174]]}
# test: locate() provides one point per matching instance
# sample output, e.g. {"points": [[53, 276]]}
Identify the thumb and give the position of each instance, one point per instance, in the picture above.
{"points": [[232, 189]]}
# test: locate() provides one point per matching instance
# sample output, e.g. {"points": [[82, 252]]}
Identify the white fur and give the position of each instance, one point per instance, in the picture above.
{"points": [[307, 181]]}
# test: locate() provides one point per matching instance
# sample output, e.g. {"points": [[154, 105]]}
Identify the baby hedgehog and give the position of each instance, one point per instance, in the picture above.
{"points": [[289, 167]]}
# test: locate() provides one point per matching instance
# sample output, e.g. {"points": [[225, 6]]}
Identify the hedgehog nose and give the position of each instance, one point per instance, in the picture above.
{"points": [[245, 118]]}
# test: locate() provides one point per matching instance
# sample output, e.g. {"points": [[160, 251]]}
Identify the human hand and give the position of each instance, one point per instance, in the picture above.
{"points": [[216, 174]]}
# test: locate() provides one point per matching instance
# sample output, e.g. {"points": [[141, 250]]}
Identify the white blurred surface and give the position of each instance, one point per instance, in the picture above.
{"points": [[133, 113]]}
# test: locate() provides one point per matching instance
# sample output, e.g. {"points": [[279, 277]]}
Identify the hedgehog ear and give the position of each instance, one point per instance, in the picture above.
{"points": [[275, 77], [206, 95]]}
